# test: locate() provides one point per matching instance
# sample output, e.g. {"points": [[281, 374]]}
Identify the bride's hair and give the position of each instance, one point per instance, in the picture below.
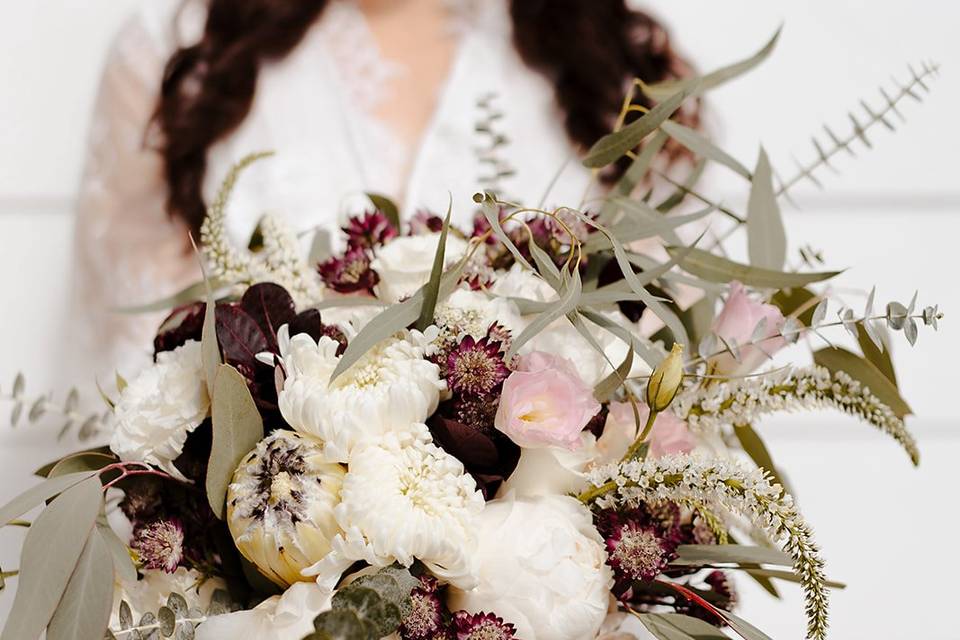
{"points": [[589, 49]]}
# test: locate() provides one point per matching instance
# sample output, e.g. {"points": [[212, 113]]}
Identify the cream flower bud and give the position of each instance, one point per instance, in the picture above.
{"points": [[280, 506], [665, 380]]}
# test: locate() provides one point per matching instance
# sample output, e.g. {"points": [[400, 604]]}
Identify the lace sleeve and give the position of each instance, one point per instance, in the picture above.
{"points": [[127, 251]]}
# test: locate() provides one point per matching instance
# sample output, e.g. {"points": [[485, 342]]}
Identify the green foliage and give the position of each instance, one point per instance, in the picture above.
{"points": [[237, 428], [369, 608], [766, 236], [431, 291], [387, 207], [715, 268]]}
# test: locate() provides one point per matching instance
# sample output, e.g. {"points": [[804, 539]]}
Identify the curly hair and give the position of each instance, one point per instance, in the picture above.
{"points": [[589, 49]]}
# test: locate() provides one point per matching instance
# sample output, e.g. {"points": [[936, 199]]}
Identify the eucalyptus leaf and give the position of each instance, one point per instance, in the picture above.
{"points": [[819, 313], [838, 359], [647, 352], [682, 189], [675, 626], [710, 554], [567, 302], [237, 428], [715, 268], [646, 222], [84, 609], [194, 292], [491, 212], [608, 386], [387, 207], [119, 552], [753, 445], [39, 494], [431, 291], [50, 554], [612, 146], [209, 345], [714, 79], [80, 462], [545, 265], [789, 576], [633, 176], [880, 358], [702, 146], [744, 628], [766, 236]]}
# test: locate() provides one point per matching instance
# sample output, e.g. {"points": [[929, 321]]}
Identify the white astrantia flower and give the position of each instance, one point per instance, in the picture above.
{"points": [[284, 617], [405, 499], [160, 406], [404, 263], [280, 505], [542, 568], [389, 389]]}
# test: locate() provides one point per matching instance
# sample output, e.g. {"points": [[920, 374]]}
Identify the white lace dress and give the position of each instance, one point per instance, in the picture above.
{"points": [[315, 110]]}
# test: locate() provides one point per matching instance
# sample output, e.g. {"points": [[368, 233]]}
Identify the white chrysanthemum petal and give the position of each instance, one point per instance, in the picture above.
{"points": [[160, 406], [391, 388], [405, 499]]}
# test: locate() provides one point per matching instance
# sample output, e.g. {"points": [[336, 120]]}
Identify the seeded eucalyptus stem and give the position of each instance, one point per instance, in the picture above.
{"points": [[118, 633]]}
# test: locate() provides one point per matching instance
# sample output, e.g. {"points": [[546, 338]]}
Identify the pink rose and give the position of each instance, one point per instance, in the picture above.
{"points": [[736, 324], [545, 403], [669, 434]]}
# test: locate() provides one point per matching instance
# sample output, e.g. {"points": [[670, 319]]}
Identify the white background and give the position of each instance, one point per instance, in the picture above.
{"points": [[892, 217]]}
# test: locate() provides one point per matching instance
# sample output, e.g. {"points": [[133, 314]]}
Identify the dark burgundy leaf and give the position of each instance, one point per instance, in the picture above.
{"points": [[489, 458], [309, 322], [271, 307], [240, 337], [184, 323]]}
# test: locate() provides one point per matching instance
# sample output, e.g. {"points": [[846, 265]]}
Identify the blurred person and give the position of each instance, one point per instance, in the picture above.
{"points": [[353, 96]]}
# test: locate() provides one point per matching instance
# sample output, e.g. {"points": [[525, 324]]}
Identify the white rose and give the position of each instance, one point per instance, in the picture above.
{"points": [[391, 388], [151, 592], [404, 263], [284, 617], [542, 568], [159, 407]]}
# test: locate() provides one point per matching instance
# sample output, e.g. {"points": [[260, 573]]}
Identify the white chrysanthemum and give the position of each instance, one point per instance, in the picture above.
{"points": [[542, 567], [391, 388], [159, 407], [404, 263], [405, 499], [280, 505]]}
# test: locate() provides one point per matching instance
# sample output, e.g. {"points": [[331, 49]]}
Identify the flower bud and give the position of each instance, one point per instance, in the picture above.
{"points": [[280, 506], [666, 380]]}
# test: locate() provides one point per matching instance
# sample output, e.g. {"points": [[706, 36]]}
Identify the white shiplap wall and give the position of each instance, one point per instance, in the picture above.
{"points": [[893, 216]]}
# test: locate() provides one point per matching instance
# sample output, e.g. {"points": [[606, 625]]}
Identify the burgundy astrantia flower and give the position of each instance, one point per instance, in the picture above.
{"points": [[369, 230], [349, 273], [639, 545], [482, 626], [160, 544], [476, 367], [425, 619]]}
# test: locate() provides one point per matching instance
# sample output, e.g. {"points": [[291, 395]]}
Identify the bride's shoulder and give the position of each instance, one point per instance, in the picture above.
{"points": [[164, 24]]}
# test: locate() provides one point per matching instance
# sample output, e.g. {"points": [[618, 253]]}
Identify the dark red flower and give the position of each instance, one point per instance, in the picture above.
{"points": [[476, 367], [369, 231], [424, 222], [482, 626], [425, 618], [639, 544], [350, 273], [159, 544]]}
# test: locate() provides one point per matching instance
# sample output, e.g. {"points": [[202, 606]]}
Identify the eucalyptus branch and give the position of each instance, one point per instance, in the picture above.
{"points": [[37, 407], [859, 129]]}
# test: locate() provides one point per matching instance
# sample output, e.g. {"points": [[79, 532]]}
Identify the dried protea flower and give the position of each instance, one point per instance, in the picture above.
{"points": [[482, 626], [159, 544], [476, 367], [280, 506], [369, 231], [350, 273]]}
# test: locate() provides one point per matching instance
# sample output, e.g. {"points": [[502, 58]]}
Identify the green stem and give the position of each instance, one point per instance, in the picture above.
{"points": [[634, 449]]}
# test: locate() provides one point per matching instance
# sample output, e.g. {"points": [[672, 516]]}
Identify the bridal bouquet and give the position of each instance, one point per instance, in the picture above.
{"points": [[540, 427]]}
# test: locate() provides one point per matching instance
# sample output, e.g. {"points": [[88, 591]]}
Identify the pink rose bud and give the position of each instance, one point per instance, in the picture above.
{"points": [[736, 323], [545, 403]]}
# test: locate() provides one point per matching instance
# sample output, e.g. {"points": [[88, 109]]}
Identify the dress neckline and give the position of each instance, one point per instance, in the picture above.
{"points": [[359, 69]]}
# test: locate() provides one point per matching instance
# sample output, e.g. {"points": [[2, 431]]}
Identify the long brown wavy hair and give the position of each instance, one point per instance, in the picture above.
{"points": [[589, 49]]}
